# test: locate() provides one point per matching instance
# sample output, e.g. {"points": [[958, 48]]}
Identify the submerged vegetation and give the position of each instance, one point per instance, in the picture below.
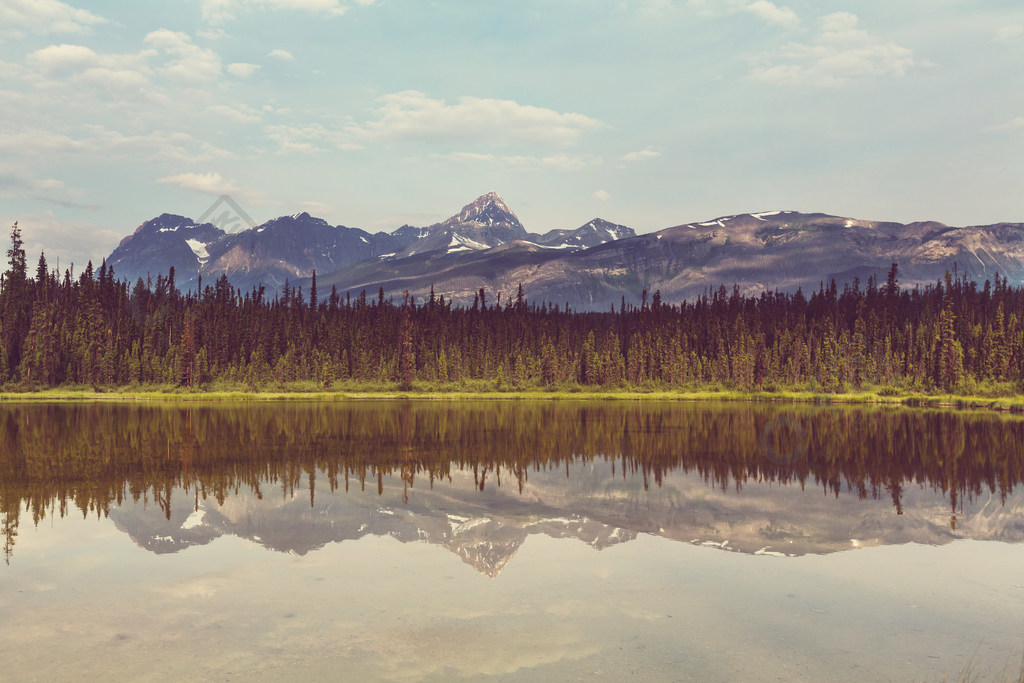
{"points": [[96, 331]]}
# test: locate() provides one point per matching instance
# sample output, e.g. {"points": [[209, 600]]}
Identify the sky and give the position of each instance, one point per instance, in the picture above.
{"points": [[378, 113]]}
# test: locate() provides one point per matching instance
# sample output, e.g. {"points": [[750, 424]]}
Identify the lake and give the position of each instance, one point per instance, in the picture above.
{"points": [[413, 540]]}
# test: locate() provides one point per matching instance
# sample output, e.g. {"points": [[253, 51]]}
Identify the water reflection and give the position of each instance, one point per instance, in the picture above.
{"points": [[479, 478]]}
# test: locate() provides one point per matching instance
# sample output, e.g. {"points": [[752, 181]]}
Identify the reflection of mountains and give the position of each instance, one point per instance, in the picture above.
{"points": [[479, 477], [487, 528]]}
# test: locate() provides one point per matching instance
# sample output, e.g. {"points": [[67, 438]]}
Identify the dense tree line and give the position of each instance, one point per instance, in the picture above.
{"points": [[93, 329]]}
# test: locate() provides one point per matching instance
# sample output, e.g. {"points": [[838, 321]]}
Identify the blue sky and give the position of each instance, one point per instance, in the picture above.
{"points": [[376, 113]]}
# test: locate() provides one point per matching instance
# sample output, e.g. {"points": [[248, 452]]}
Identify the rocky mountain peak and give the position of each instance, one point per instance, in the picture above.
{"points": [[612, 231], [165, 222], [598, 231], [487, 210], [296, 219]]}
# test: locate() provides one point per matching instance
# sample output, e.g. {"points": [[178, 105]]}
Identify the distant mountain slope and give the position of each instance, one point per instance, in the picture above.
{"points": [[782, 250], [594, 233], [592, 267], [285, 248], [291, 248], [162, 243]]}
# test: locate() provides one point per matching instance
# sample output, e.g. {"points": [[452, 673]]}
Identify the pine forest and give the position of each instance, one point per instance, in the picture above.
{"points": [[91, 329]]}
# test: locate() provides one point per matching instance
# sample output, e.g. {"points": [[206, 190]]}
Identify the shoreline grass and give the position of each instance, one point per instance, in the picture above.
{"points": [[879, 397]]}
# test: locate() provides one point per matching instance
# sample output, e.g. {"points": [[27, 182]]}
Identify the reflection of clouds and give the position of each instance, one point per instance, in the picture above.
{"points": [[55, 537], [393, 611], [201, 587], [463, 649], [567, 607], [42, 587]]}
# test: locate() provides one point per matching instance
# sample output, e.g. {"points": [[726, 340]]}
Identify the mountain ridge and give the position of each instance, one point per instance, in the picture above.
{"points": [[484, 245], [486, 531]]}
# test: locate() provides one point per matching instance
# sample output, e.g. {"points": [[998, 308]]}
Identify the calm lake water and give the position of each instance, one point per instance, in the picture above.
{"points": [[510, 540]]}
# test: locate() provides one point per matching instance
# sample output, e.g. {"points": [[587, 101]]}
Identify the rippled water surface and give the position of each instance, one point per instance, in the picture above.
{"points": [[414, 540]]}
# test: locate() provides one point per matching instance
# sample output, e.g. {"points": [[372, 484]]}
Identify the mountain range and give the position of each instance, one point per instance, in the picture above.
{"points": [[592, 267], [485, 529]]}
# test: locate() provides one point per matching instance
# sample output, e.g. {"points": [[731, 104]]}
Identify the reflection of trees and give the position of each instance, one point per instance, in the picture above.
{"points": [[93, 456], [10, 533]]}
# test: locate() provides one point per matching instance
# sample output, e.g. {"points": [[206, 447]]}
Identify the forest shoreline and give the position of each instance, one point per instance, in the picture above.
{"points": [[1014, 404]]}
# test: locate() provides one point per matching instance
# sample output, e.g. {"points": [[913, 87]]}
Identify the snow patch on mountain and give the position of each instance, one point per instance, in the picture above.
{"points": [[199, 249], [460, 243], [194, 520]]}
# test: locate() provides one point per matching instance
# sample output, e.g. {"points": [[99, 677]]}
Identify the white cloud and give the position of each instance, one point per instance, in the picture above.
{"points": [[561, 162], [242, 69], [283, 55], [113, 76], [206, 183], [65, 241], [315, 208], [37, 143], [73, 99], [842, 27], [190, 64], [466, 156], [213, 183], [1013, 124], [127, 78], [1008, 33], [102, 144], [241, 113], [764, 9], [44, 17], [601, 196], [654, 7], [221, 11], [774, 14], [113, 82], [218, 11], [411, 115], [159, 145], [569, 162], [309, 139], [312, 6], [209, 33], [166, 59], [15, 183], [61, 60], [841, 53], [642, 155]]}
